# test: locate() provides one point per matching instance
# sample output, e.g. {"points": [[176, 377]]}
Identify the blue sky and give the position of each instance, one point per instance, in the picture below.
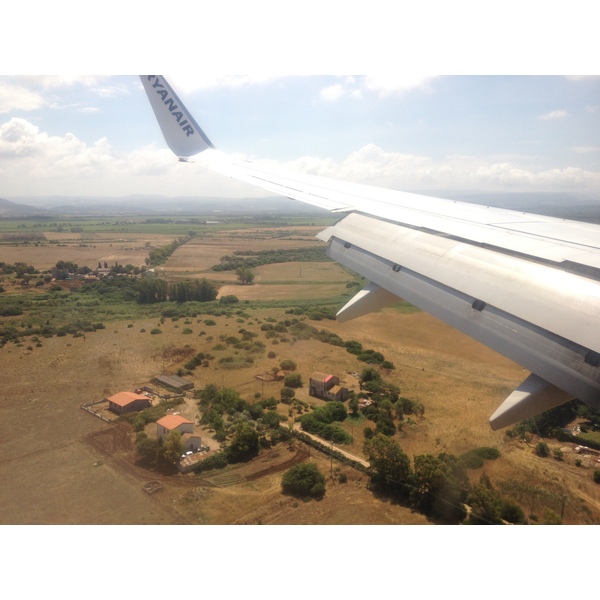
{"points": [[97, 135], [507, 131]]}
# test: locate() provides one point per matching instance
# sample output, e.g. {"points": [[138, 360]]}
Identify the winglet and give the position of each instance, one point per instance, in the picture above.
{"points": [[182, 134], [535, 395]]}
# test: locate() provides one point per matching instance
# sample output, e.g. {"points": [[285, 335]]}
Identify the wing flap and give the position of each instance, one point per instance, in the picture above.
{"points": [[561, 302]]}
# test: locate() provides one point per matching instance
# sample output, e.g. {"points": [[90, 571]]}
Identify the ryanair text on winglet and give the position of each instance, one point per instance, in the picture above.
{"points": [[170, 104]]}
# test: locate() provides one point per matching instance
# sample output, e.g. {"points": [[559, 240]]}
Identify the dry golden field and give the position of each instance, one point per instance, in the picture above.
{"points": [[86, 250], [61, 465]]}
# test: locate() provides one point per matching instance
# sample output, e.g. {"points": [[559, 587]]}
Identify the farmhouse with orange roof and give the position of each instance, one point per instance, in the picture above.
{"points": [[125, 402]]}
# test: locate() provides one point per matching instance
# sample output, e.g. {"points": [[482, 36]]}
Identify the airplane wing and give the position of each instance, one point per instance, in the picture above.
{"points": [[527, 286]]}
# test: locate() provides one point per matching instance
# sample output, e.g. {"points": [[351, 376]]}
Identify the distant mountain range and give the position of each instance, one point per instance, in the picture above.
{"points": [[557, 205], [54, 206], [10, 209]]}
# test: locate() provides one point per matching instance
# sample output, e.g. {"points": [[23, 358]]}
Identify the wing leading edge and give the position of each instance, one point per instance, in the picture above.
{"points": [[525, 285]]}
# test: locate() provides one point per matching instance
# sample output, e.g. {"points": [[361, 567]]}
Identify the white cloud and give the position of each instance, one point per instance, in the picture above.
{"points": [[382, 85], [585, 149], [373, 166], [555, 114], [332, 93], [32, 162], [17, 97], [35, 163], [187, 83], [392, 84]]}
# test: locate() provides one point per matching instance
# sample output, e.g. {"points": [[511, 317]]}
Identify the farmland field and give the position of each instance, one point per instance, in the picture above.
{"points": [[60, 464]]}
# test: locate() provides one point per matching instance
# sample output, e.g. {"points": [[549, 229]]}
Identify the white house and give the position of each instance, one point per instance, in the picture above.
{"points": [[170, 423]]}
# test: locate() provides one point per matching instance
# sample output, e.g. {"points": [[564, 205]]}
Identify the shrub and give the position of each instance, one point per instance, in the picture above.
{"points": [[596, 475], [215, 461], [287, 394], [156, 331], [293, 381], [304, 479], [353, 347], [542, 449], [473, 459], [287, 365], [512, 512]]}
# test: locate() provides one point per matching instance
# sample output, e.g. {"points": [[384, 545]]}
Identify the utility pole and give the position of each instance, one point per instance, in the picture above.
{"points": [[331, 456]]}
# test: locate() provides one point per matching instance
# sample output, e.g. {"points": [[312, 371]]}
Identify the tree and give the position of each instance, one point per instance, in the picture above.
{"points": [[244, 275], [173, 447], [369, 374], [245, 444], [440, 487], [304, 479], [486, 504], [293, 380], [389, 463], [147, 449], [287, 394], [152, 290]]}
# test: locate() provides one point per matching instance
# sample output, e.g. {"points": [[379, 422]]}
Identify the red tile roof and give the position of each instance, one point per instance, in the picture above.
{"points": [[171, 422], [125, 398]]}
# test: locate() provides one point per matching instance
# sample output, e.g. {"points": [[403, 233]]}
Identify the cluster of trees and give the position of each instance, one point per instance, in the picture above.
{"points": [[158, 256], [388, 407], [153, 289], [76, 327], [245, 275], [436, 486], [368, 356], [159, 455], [323, 422], [315, 313], [250, 259], [222, 409], [127, 269], [201, 358], [19, 268], [549, 423]]}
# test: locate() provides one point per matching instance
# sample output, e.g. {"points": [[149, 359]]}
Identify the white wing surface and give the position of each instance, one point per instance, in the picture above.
{"points": [[526, 285]]}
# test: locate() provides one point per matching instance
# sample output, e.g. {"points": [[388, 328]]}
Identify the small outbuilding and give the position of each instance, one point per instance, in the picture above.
{"points": [[174, 382], [125, 402], [191, 442]]}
